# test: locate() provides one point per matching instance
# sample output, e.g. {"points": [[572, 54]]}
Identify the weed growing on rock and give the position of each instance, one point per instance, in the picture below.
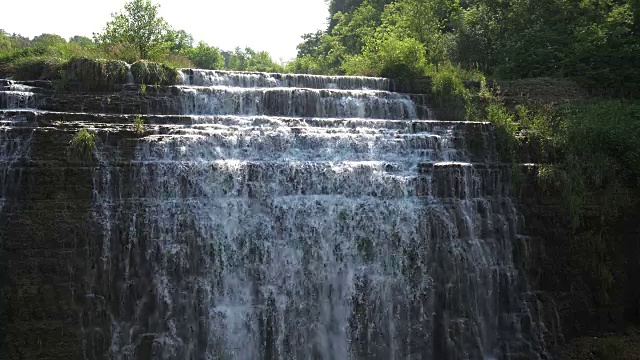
{"points": [[83, 144], [138, 123]]}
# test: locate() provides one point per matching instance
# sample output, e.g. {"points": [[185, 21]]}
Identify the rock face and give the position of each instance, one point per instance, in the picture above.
{"points": [[258, 216]]}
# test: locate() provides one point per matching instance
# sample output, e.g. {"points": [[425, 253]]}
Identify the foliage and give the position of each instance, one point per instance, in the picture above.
{"points": [[140, 26], [138, 123], [388, 56], [206, 57], [83, 144], [595, 42], [602, 141], [451, 96], [318, 54], [48, 40], [5, 42], [138, 32], [38, 68], [145, 72], [82, 41], [94, 74], [248, 59], [180, 41]]}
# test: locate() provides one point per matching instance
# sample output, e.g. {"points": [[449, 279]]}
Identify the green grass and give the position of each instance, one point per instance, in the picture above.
{"points": [[138, 123], [83, 144]]}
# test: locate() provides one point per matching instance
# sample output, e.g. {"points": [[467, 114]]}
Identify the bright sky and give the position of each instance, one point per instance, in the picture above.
{"points": [[272, 25]]}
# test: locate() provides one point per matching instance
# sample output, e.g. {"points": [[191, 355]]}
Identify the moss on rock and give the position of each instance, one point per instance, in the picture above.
{"points": [[38, 69], [614, 347], [151, 73], [96, 74]]}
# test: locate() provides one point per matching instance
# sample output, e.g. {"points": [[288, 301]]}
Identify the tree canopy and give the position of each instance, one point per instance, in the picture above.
{"points": [[140, 26], [138, 32], [590, 39]]}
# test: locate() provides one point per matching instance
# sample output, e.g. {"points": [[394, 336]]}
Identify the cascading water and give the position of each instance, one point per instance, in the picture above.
{"points": [[259, 79], [16, 96], [264, 237], [14, 149], [302, 217]]}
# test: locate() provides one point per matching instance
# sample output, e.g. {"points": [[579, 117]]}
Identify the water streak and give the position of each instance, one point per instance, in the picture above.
{"points": [[248, 79]]}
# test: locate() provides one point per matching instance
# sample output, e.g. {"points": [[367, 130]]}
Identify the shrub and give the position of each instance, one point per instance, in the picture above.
{"points": [[138, 123], [97, 74], [451, 97], [206, 57], [145, 72], [390, 57], [83, 144], [37, 68]]}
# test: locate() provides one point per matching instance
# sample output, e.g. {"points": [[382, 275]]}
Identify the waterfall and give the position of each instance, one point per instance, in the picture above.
{"points": [[300, 217], [249, 79], [14, 149], [311, 227]]}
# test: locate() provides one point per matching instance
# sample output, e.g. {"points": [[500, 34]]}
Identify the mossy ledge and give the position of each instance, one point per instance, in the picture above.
{"points": [[94, 74]]}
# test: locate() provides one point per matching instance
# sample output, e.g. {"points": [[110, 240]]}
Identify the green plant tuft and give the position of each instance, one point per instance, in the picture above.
{"points": [[83, 144], [138, 123]]}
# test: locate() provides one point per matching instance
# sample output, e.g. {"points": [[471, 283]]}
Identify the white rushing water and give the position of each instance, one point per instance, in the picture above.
{"points": [[304, 217], [310, 228], [11, 99], [249, 79], [300, 102], [13, 150]]}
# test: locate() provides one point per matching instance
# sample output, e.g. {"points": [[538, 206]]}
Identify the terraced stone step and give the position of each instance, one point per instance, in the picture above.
{"points": [[271, 178], [223, 101], [253, 79], [18, 116]]}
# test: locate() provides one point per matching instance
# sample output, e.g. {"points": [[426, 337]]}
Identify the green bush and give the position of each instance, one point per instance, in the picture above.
{"points": [[138, 123], [206, 57], [602, 141], [96, 74], [452, 98], [83, 144], [145, 72], [390, 57], [37, 68]]}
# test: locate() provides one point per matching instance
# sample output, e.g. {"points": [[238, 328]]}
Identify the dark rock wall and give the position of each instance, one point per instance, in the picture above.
{"points": [[50, 248], [46, 232], [571, 295]]}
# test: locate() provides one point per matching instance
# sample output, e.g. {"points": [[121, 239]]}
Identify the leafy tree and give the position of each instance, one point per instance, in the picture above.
{"points": [[320, 53], [239, 58], [5, 42], [346, 6], [310, 43], [248, 59], [354, 28], [389, 56], [262, 61], [180, 41], [82, 41], [140, 26], [19, 42], [206, 57], [48, 40], [421, 20]]}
